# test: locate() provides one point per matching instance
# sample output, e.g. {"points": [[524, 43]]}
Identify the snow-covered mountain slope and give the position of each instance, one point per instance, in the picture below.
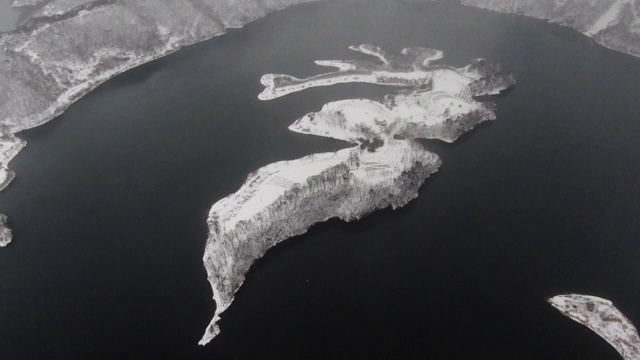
{"points": [[612, 23]]}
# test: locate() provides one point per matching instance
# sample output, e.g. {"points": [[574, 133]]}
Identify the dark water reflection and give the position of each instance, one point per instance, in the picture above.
{"points": [[111, 198]]}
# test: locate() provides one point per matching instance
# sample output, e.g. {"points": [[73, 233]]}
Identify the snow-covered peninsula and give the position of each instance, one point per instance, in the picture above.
{"points": [[68, 47], [604, 319], [384, 168]]}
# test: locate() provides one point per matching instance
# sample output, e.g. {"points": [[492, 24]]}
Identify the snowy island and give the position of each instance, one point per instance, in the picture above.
{"points": [[385, 167]]}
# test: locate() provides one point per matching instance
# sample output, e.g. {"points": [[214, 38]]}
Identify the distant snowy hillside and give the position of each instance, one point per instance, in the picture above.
{"points": [[612, 23]]}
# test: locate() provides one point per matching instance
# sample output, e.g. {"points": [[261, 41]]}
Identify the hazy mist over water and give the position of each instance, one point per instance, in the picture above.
{"points": [[110, 202]]}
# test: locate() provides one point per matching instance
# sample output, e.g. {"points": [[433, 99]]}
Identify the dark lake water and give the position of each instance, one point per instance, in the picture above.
{"points": [[111, 198]]}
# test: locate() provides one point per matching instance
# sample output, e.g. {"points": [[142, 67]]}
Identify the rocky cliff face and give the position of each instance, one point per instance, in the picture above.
{"points": [[612, 23]]}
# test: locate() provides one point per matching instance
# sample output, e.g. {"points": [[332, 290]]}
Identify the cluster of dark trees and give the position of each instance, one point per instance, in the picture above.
{"points": [[371, 144]]}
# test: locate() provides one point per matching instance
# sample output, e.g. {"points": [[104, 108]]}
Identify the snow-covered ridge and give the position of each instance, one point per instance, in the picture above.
{"points": [[604, 319], [386, 167]]}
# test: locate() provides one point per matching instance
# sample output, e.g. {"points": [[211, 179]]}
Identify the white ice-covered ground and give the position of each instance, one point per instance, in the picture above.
{"points": [[385, 168], [604, 319]]}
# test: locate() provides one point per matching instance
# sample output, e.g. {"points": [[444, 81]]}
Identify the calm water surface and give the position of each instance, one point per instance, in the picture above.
{"points": [[110, 202]]}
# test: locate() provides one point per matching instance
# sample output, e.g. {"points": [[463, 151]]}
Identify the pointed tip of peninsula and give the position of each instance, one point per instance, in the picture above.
{"points": [[212, 331]]}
